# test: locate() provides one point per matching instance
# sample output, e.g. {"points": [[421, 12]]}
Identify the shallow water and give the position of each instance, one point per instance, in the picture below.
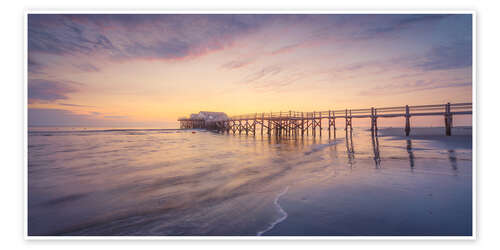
{"points": [[176, 182]]}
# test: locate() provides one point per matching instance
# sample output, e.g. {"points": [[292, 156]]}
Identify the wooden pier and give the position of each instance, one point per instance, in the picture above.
{"points": [[293, 123]]}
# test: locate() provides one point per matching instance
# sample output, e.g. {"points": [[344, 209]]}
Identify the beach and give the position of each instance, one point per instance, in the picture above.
{"points": [[195, 182]]}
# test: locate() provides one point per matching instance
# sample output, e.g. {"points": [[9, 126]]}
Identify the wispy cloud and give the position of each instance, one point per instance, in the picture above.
{"points": [[377, 28], [236, 64], [265, 72], [86, 67], [125, 37], [76, 105], [447, 56], [62, 117], [41, 90], [286, 49], [34, 67], [418, 85], [115, 116]]}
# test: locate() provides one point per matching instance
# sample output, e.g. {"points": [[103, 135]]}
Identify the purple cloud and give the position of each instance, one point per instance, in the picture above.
{"points": [[394, 24], [34, 67], [41, 90], [136, 36], [76, 105], [61, 117], [449, 56], [419, 85], [268, 71], [236, 64], [86, 67]]}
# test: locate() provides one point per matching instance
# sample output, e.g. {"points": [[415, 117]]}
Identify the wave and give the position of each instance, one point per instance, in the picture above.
{"points": [[283, 213]]}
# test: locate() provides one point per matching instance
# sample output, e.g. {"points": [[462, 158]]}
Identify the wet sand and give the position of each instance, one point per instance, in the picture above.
{"points": [[174, 182], [431, 198]]}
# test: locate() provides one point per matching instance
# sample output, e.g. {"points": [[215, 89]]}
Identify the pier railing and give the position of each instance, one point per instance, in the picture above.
{"points": [[400, 111]]}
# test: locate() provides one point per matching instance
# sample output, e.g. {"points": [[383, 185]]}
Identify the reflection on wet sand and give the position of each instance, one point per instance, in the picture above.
{"points": [[349, 146], [179, 183], [410, 154], [376, 151], [453, 159]]}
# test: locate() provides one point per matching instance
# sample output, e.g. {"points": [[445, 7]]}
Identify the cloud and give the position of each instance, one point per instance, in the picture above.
{"points": [[418, 85], [115, 116], [124, 37], [393, 24], [61, 117], [267, 71], [235, 64], [34, 67], [41, 90], [449, 56], [86, 67], [76, 105], [287, 48]]}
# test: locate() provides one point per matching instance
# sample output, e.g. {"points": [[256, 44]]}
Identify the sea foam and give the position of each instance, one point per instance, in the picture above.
{"points": [[283, 213]]}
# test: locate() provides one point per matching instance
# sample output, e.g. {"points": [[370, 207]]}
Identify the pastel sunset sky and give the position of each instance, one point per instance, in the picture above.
{"points": [[148, 70]]}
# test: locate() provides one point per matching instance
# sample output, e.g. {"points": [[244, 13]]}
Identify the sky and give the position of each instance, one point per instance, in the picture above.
{"points": [[134, 70]]}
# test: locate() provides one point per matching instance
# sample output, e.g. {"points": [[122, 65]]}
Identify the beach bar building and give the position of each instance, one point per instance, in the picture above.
{"points": [[204, 119]]}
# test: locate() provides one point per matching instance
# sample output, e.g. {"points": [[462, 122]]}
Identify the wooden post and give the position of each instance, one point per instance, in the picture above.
{"points": [[448, 119], [329, 123], [246, 126], [320, 118], [334, 128], [302, 124], [289, 123], [307, 123], [254, 123], [407, 116], [350, 120], [371, 117], [346, 122], [314, 124], [269, 123], [280, 126], [262, 125]]}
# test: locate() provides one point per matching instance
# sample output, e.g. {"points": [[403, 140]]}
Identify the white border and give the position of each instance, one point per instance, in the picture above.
{"points": [[265, 238]]}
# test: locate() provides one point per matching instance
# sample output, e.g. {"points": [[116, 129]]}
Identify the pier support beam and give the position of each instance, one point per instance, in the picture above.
{"points": [[320, 119], [262, 125], [302, 124], [348, 120], [374, 127], [314, 124], [407, 117], [329, 122], [269, 126]]}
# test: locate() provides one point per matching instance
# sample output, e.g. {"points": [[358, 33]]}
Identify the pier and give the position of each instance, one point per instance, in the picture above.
{"points": [[293, 123]]}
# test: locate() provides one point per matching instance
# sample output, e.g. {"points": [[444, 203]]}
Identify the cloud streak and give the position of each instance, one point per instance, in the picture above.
{"points": [[125, 37], [419, 85], [62, 117], [86, 67], [449, 56], [41, 90]]}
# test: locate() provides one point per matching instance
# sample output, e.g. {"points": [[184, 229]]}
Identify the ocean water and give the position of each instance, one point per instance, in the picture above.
{"points": [[193, 182]]}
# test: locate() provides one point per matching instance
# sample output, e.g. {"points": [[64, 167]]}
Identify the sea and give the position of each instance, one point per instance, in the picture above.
{"points": [[171, 182]]}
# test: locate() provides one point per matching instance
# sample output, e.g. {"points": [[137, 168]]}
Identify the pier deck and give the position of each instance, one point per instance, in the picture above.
{"points": [[300, 123]]}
